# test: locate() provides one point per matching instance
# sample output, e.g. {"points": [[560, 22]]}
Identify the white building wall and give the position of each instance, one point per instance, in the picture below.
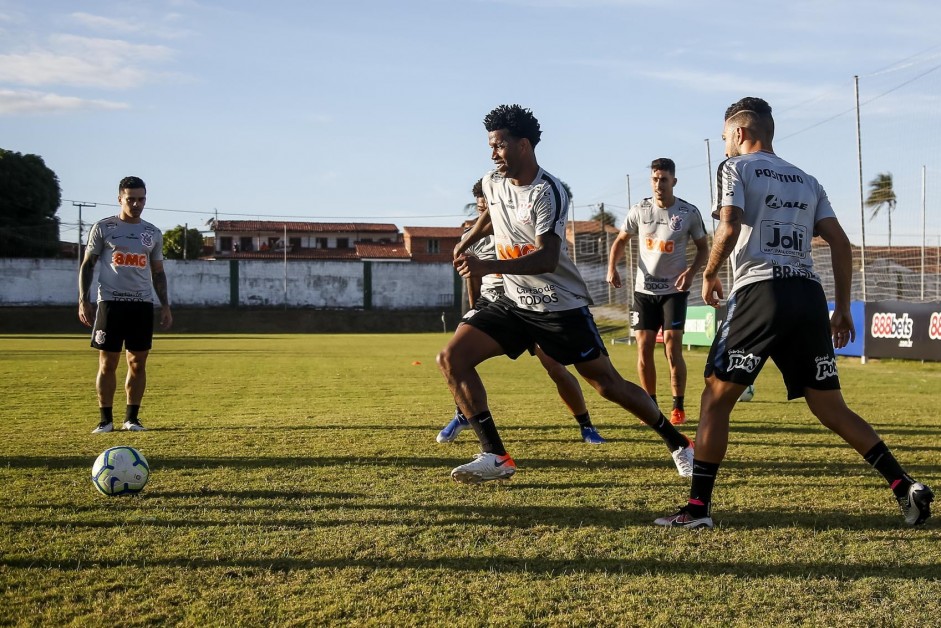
{"points": [[403, 286]]}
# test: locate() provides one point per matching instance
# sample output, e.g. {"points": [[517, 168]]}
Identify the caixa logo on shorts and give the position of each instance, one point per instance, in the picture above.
{"points": [[826, 368], [100, 337], [743, 362]]}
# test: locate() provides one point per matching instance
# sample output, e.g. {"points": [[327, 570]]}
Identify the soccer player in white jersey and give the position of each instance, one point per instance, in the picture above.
{"points": [[131, 270], [769, 210], [481, 292], [664, 225], [545, 301]]}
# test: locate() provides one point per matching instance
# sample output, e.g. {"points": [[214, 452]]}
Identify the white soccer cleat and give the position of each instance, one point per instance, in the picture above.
{"points": [[683, 458], [684, 519], [483, 468], [103, 428], [133, 426]]}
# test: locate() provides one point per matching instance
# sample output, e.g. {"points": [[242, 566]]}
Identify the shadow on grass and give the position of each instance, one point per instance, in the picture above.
{"points": [[488, 566]]}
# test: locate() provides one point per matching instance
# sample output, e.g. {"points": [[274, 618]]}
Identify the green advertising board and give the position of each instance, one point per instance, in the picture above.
{"points": [[700, 326]]}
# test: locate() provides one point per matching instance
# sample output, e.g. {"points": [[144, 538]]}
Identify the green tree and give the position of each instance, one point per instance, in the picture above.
{"points": [[29, 199], [602, 216], [882, 194], [173, 243]]}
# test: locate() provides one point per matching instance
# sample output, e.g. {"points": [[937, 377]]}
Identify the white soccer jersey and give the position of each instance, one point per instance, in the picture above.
{"points": [[662, 234], [126, 253], [519, 214], [781, 204], [491, 286]]}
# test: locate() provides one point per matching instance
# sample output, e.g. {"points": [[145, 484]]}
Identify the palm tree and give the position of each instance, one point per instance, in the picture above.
{"points": [[881, 194]]}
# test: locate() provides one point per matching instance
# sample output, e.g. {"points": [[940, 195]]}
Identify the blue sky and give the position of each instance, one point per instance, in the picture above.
{"points": [[372, 111]]}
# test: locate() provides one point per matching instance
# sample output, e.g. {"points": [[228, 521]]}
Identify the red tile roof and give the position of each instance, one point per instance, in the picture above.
{"points": [[375, 250], [433, 232], [302, 227]]}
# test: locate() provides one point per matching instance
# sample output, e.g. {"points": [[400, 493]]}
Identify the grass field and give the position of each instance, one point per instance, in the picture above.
{"points": [[296, 481]]}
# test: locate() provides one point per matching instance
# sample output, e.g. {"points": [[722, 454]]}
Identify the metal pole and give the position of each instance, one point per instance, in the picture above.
{"points": [[629, 262], [712, 198], [284, 245], [80, 205], [574, 238], [186, 228], [923, 232], [862, 206]]}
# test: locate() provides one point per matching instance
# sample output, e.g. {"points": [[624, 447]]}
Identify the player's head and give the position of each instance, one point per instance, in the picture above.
{"points": [[132, 195], [663, 180], [478, 191], [749, 119], [513, 133]]}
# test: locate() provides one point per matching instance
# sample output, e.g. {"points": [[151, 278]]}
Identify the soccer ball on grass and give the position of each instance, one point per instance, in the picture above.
{"points": [[747, 394], [120, 471]]}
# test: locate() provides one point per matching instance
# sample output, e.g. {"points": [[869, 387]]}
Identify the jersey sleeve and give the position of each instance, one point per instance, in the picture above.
{"points": [[824, 208], [156, 254], [549, 209], [95, 240], [697, 229], [630, 220], [731, 188]]}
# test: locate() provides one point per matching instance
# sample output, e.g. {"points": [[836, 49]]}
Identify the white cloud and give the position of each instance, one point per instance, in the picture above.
{"points": [[83, 61], [13, 102], [108, 24]]}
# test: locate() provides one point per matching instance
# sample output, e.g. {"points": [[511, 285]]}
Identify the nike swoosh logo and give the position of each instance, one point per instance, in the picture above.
{"points": [[675, 323], [585, 353], [500, 463]]}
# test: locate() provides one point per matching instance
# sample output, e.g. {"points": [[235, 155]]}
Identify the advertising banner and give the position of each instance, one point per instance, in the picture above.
{"points": [[700, 326], [909, 331]]}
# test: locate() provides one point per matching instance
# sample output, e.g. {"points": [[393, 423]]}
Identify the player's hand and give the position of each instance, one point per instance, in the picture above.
{"points": [[842, 328], [86, 313], [684, 281], [712, 290], [166, 318], [459, 249], [469, 266], [614, 278]]}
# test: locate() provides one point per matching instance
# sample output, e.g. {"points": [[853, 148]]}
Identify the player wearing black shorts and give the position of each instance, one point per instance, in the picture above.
{"points": [[481, 293], [131, 270], [664, 224], [769, 210], [545, 299]]}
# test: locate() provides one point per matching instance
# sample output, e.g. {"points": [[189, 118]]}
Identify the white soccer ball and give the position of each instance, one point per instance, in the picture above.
{"points": [[120, 471], [747, 394]]}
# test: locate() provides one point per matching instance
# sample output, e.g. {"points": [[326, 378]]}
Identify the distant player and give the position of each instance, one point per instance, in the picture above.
{"points": [[769, 210], [482, 291], [664, 225], [131, 270], [545, 302]]}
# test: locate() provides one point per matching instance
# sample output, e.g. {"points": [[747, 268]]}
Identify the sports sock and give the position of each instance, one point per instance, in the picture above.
{"points": [[700, 493], [107, 415], [678, 402], [669, 434], [487, 433], [885, 463], [584, 420], [130, 414], [654, 397]]}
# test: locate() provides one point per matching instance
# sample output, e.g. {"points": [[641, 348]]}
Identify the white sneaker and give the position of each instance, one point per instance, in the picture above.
{"points": [[484, 467], [103, 428], [683, 457], [133, 426]]}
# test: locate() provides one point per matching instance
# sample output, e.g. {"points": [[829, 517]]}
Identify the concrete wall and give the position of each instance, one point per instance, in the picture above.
{"points": [[256, 283]]}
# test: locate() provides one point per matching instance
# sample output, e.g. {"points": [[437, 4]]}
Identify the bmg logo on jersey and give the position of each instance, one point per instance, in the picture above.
{"points": [[656, 244], [120, 258], [514, 251], [783, 238], [744, 362], [826, 368]]}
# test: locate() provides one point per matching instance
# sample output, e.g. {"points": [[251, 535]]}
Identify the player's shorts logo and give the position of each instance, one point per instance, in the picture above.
{"points": [[826, 368], [748, 363], [100, 337]]}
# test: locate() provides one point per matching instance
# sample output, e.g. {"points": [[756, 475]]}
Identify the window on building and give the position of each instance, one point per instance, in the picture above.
{"points": [[225, 244], [321, 243], [295, 244], [588, 246], [343, 243], [245, 243], [434, 246]]}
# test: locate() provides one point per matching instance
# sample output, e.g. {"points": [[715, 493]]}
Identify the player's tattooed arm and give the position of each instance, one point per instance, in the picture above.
{"points": [[85, 274], [160, 284], [726, 235]]}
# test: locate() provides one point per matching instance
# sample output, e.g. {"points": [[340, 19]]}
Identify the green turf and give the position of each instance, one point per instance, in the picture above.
{"points": [[296, 481]]}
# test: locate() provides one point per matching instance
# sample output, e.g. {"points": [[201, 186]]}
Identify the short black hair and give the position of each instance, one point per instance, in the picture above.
{"points": [[516, 120], [755, 114], [478, 189], [664, 163], [131, 183]]}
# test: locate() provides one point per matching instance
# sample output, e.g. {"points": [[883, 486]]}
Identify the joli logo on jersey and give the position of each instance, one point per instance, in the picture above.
{"points": [[891, 326], [783, 238]]}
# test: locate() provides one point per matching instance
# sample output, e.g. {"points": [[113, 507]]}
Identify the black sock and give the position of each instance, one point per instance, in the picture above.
{"points": [[669, 434], [487, 433], [700, 493], [584, 420], [654, 397], [678, 402], [885, 463], [130, 414], [106, 414]]}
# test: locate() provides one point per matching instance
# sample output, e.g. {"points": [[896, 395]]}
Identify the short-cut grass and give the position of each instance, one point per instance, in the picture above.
{"points": [[296, 481]]}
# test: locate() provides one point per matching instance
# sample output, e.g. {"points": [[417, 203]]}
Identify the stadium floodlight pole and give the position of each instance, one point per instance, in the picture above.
{"points": [[80, 205], [712, 198]]}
